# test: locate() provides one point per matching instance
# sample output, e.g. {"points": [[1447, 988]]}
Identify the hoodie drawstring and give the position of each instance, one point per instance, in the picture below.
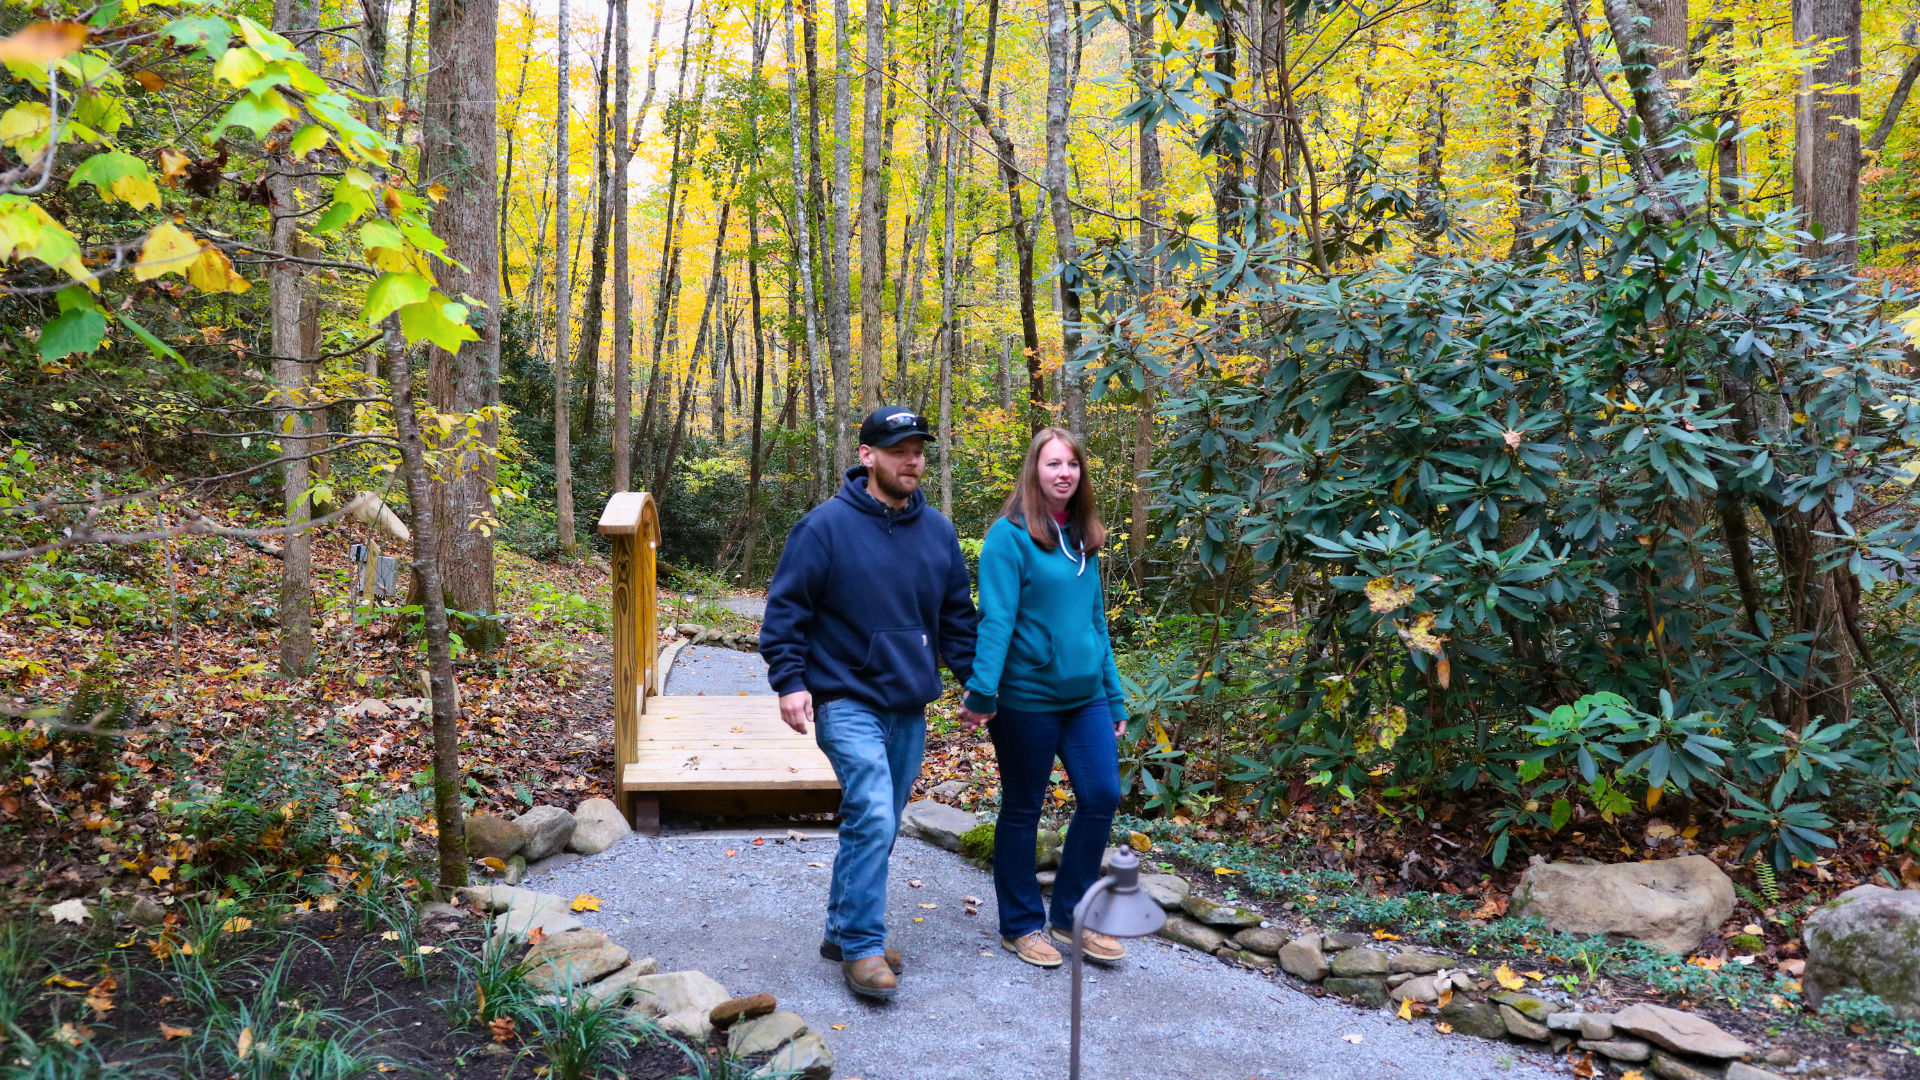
{"points": [[1057, 527]]}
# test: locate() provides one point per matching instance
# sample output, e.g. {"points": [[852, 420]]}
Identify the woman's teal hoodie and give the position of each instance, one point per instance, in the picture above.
{"points": [[1043, 628]]}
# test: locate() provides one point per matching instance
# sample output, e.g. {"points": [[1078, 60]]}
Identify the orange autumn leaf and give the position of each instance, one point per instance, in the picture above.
{"points": [[170, 1033], [43, 43], [1505, 976]]}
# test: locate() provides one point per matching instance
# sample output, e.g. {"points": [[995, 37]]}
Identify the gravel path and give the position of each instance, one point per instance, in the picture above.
{"points": [[705, 669], [751, 919]]}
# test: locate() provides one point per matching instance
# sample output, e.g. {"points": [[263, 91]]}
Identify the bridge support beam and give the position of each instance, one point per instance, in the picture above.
{"points": [[631, 522]]}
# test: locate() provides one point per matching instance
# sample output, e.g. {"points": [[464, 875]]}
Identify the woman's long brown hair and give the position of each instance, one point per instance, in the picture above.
{"points": [[1028, 504]]}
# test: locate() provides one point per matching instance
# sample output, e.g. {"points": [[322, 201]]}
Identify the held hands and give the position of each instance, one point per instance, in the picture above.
{"points": [[971, 721], [796, 709]]}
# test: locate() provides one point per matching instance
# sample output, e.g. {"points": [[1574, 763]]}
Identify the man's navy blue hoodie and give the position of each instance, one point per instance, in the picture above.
{"points": [[865, 599]]}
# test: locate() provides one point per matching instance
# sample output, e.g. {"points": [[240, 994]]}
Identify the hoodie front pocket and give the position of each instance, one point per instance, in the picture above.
{"points": [[1075, 671], [900, 666]]}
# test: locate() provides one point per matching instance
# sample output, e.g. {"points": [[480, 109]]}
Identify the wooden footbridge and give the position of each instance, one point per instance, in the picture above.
{"points": [[692, 753]]}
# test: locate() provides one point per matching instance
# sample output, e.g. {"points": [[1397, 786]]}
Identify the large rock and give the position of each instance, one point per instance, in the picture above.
{"points": [[1302, 959], [1668, 1067], [753, 1007], [1167, 890], [768, 1033], [1527, 1005], [616, 988], [508, 897], [1867, 939], [490, 836], [573, 958], [1482, 1019], [597, 825], [1261, 939], [1357, 963], [1419, 988], [806, 1057], [1596, 1026], [1740, 1070], [522, 922], [548, 830], [1420, 963], [1192, 934], [1680, 1032], [1632, 1051], [1672, 903], [1521, 1027], [683, 1000], [1214, 913], [937, 823], [1371, 992]]}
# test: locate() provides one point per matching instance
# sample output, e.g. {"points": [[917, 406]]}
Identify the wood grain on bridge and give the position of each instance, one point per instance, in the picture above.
{"points": [[697, 754]]}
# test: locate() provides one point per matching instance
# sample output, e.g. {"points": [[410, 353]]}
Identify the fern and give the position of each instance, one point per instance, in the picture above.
{"points": [[1769, 882]]}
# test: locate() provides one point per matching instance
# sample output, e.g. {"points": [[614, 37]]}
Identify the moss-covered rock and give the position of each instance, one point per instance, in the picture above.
{"points": [[1867, 939], [977, 843]]}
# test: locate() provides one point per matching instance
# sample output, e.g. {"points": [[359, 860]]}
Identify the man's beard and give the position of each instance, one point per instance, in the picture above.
{"points": [[892, 484]]}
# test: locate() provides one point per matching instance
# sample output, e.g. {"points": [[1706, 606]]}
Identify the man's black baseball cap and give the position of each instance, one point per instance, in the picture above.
{"points": [[888, 425]]}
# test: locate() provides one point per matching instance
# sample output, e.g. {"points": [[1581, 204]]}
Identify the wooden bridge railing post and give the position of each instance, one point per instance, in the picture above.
{"points": [[632, 522]]}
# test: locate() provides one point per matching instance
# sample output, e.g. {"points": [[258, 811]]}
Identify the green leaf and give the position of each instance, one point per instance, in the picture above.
{"points": [[348, 204], [153, 344], [210, 32], [79, 330], [391, 292], [1562, 813], [380, 234], [307, 140], [429, 321], [257, 113]]}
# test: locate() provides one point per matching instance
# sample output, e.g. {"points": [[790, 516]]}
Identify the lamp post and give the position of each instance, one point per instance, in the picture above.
{"points": [[1116, 907]]}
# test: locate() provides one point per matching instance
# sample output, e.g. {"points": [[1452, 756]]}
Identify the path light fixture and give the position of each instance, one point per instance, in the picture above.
{"points": [[1116, 907]]}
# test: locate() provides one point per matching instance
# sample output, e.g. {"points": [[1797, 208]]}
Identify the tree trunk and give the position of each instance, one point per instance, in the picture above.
{"points": [[1667, 31], [458, 133], [803, 253], [563, 305], [1059, 203], [667, 284], [1653, 102], [949, 250], [622, 389], [873, 271], [1826, 140], [840, 281], [699, 343], [428, 551], [593, 319], [1898, 100], [1140, 32], [995, 127], [291, 307]]}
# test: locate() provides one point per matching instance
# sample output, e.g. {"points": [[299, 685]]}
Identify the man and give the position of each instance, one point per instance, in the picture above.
{"points": [[870, 592]]}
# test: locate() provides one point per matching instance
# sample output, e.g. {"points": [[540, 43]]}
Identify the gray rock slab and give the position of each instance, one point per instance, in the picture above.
{"points": [[1671, 903], [937, 823], [966, 1006], [548, 830], [718, 672], [597, 825], [1680, 1032], [1167, 890]]}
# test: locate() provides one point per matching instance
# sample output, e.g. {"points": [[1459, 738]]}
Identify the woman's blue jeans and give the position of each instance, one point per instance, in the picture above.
{"points": [[1026, 744], [876, 756]]}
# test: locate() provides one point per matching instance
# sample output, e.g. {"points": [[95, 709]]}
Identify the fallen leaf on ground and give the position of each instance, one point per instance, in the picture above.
{"points": [[492, 863], [73, 911], [1223, 871], [1139, 841], [390, 935], [1711, 963], [537, 935], [159, 874], [1794, 967], [585, 902], [1406, 1009], [1507, 978], [1352, 1037], [502, 1028], [758, 842], [62, 980], [731, 853], [1446, 996], [1382, 935], [1443, 1028], [244, 1044], [1584, 1068], [1536, 976], [1633, 1074], [816, 864], [837, 1027], [326, 903], [929, 906], [427, 950], [915, 883], [240, 924], [974, 900], [170, 1033]]}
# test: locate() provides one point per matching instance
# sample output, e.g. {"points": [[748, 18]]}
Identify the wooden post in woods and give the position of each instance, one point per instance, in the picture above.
{"points": [[632, 521]]}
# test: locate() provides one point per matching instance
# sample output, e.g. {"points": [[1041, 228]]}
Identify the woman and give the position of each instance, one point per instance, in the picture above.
{"points": [[1045, 684]]}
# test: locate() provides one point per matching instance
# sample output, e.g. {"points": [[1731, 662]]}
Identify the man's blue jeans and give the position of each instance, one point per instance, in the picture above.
{"points": [[876, 756], [1026, 744]]}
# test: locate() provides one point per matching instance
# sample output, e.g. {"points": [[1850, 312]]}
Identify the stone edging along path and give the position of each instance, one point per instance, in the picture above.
{"points": [[566, 956], [1458, 994]]}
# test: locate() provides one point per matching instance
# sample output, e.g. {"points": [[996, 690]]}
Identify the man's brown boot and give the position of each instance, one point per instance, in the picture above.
{"points": [[870, 977], [832, 952]]}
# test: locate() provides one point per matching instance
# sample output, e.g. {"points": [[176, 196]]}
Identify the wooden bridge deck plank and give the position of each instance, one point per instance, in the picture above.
{"points": [[695, 743]]}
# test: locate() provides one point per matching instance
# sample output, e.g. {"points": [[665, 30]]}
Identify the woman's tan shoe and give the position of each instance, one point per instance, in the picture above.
{"points": [[1033, 948], [1098, 946], [870, 977]]}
